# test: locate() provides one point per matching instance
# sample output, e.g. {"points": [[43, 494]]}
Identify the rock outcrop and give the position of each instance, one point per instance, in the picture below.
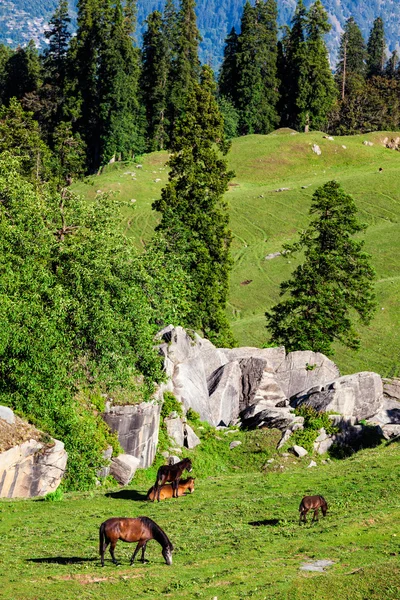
{"points": [[137, 428], [357, 396], [181, 432], [29, 466], [220, 383], [123, 468]]}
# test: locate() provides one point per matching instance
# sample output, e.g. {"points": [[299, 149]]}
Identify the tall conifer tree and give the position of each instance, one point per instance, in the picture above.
{"points": [[257, 88], [194, 215], [154, 82], [227, 81], [376, 49], [316, 92], [290, 64], [351, 68], [185, 65]]}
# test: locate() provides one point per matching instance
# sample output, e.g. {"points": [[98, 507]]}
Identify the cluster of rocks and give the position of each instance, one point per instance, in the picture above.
{"points": [[262, 387]]}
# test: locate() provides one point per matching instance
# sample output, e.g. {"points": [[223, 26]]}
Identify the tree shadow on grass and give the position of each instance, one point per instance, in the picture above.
{"points": [[62, 560], [265, 523], [127, 495]]}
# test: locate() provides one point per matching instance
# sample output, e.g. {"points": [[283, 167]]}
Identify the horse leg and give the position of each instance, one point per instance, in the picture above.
{"points": [[112, 548], [139, 545], [143, 560], [177, 487], [304, 514], [103, 549], [315, 517]]}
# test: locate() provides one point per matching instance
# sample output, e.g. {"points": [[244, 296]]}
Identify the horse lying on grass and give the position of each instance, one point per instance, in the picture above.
{"points": [[141, 530], [173, 474], [166, 491], [312, 503]]}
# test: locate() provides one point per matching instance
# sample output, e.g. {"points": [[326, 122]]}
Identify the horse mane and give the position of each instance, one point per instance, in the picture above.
{"points": [[158, 534]]}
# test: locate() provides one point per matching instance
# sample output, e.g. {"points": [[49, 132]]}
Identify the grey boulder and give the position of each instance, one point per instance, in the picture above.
{"points": [[181, 432], [356, 396], [123, 468]]}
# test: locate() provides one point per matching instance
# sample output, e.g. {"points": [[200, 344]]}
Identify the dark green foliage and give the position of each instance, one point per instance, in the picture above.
{"points": [[20, 135], [193, 416], [333, 284], [70, 154], [376, 49], [194, 217], [155, 73], [391, 68], [119, 117], [351, 67], [374, 106], [290, 64], [185, 67], [23, 73], [256, 94], [228, 76], [316, 88], [231, 117]]}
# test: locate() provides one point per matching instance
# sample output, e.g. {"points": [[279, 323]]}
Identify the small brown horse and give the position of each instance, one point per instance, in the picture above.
{"points": [[139, 530], [312, 503], [166, 491], [173, 474]]}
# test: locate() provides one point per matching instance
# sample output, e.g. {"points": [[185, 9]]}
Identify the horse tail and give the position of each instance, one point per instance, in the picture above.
{"points": [[301, 506], [101, 538]]}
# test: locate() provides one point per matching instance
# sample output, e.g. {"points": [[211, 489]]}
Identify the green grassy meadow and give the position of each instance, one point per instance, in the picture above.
{"points": [[236, 537], [262, 219]]}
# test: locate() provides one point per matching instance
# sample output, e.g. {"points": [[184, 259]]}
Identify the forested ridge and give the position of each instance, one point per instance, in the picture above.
{"points": [[81, 305], [215, 20]]}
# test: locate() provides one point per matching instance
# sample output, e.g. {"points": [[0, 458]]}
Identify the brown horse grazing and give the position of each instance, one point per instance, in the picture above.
{"points": [[166, 491], [312, 503], [173, 474], [139, 530]]}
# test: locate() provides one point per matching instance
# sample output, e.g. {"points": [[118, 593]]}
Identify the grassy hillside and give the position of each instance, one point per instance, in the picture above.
{"points": [[236, 537], [262, 219]]}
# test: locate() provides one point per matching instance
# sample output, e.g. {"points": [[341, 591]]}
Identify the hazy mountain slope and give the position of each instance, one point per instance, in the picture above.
{"points": [[21, 20]]}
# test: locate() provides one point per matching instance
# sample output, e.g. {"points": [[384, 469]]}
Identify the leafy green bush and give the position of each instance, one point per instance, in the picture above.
{"points": [[55, 496], [193, 416], [315, 420], [170, 405]]}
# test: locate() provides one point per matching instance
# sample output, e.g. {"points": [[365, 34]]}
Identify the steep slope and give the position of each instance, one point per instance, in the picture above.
{"points": [[21, 20], [263, 218]]}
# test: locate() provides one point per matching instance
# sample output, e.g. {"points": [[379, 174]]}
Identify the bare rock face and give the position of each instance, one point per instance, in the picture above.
{"points": [[32, 469], [181, 433], [123, 468], [356, 396], [7, 415], [137, 428], [220, 383], [303, 370], [391, 388]]}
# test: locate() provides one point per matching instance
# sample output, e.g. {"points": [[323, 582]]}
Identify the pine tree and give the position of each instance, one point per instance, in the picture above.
{"points": [[290, 63], [257, 87], [154, 82], [185, 69], [228, 75], [351, 68], [120, 122], [391, 68], [316, 88], [194, 216], [376, 49], [333, 283], [84, 57], [23, 73]]}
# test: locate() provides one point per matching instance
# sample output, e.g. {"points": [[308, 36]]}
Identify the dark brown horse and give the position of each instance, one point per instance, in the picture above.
{"points": [[166, 491], [312, 503], [139, 530], [173, 474]]}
